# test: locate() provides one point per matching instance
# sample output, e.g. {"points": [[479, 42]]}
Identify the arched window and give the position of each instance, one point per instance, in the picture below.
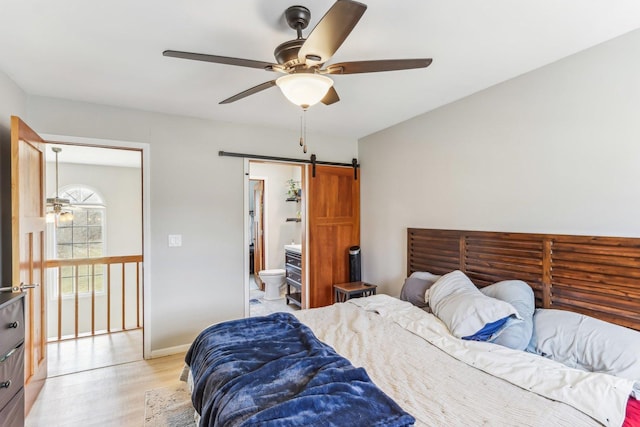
{"points": [[80, 235]]}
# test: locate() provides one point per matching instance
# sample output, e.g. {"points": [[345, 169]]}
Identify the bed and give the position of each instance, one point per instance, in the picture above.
{"points": [[416, 371]]}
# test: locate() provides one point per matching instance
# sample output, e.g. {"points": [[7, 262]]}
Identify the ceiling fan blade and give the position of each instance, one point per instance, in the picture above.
{"points": [[220, 59], [331, 97], [377, 66], [331, 31], [253, 90]]}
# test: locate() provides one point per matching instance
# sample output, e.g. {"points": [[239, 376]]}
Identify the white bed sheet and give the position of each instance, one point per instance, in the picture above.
{"points": [[440, 390]]}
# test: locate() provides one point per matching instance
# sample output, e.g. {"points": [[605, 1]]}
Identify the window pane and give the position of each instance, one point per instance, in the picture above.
{"points": [[79, 217], [67, 286], [79, 235], [99, 283], [94, 217], [67, 271], [64, 252], [83, 270], [80, 251], [83, 284], [94, 250], [94, 234], [63, 235]]}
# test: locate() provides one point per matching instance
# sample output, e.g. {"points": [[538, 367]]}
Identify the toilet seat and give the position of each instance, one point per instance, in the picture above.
{"points": [[273, 272]]}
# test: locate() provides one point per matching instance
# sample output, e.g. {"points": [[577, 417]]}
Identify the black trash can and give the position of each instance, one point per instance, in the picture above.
{"points": [[354, 264]]}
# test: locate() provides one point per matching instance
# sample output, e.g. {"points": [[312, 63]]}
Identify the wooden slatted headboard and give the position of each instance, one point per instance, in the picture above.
{"points": [[596, 276]]}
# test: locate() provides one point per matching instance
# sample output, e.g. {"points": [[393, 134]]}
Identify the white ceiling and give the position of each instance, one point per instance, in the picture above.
{"points": [[110, 53]]}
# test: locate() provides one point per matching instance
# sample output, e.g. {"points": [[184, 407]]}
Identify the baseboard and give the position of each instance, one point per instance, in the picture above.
{"points": [[169, 351]]}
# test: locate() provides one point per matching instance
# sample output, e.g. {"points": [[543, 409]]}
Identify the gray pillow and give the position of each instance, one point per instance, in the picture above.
{"points": [[517, 334], [586, 343], [414, 289]]}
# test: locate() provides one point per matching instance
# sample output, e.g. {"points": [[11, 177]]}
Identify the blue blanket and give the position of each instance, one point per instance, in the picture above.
{"points": [[273, 371]]}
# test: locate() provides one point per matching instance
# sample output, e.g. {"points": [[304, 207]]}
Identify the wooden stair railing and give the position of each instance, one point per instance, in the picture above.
{"points": [[91, 263]]}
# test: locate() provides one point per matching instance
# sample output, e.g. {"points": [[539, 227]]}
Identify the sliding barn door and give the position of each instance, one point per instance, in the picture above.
{"points": [[333, 213]]}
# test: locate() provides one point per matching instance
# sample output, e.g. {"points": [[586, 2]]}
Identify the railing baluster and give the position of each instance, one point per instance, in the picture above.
{"points": [[77, 268], [124, 304], [59, 303], [138, 294], [109, 298], [93, 299]]}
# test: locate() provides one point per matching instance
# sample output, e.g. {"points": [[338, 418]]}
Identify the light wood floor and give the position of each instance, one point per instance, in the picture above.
{"points": [[86, 394]]}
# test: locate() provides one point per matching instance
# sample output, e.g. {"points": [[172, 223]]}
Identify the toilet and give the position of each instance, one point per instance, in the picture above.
{"points": [[273, 280]]}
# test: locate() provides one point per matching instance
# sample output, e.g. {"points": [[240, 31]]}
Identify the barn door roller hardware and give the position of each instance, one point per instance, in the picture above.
{"points": [[312, 161]]}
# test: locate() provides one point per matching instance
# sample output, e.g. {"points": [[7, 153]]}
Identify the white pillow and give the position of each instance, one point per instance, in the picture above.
{"points": [[516, 335], [586, 343], [468, 313]]}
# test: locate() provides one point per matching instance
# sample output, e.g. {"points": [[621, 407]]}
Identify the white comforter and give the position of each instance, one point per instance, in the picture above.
{"points": [[437, 378]]}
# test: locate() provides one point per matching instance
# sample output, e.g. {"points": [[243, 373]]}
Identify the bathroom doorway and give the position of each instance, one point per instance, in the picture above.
{"points": [[275, 224], [256, 229]]}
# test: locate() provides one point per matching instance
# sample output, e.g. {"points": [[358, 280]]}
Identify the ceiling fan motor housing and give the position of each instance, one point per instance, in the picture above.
{"points": [[287, 53], [297, 18]]}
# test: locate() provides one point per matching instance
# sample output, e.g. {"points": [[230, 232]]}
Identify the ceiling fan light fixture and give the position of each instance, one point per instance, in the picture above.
{"points": [[304, 89]]}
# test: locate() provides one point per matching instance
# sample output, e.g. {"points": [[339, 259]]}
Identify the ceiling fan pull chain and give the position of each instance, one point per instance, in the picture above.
{"points": [[304, 120]]}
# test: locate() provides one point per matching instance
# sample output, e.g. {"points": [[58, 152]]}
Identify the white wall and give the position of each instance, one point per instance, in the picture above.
{"points": [[555, 151], [278, 231], [121, 189], [195, 193], [12, 103]]}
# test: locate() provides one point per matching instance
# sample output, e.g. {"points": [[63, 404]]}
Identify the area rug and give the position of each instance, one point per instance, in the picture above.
{"points": [[168, 407]]}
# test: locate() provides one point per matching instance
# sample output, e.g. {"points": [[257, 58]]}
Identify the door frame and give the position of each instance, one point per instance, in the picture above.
{"points": [[247, 222], [263, 219], [145, 148]]}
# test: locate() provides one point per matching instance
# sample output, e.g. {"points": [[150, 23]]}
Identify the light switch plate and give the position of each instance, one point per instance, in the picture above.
{"points": [[175, 240]]}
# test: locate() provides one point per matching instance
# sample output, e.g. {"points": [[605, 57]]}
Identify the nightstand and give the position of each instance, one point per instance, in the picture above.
{"points": [[346, 291]]}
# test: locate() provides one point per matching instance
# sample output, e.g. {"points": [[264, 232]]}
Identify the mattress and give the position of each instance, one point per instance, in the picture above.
{"points": [[384, 335]]}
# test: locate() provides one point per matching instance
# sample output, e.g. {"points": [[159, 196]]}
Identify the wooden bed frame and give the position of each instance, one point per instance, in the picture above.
{"points": [[596, 276]]}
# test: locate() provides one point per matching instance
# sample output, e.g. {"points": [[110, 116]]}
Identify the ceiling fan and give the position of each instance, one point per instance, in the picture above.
{"points": [[301, 60], [57, 207]]}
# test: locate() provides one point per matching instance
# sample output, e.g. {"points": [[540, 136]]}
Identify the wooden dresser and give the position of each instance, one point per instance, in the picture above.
{"points": [[11, 360]]}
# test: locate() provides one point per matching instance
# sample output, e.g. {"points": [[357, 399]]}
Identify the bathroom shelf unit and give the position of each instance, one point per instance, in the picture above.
{"points": [[293, 266]]}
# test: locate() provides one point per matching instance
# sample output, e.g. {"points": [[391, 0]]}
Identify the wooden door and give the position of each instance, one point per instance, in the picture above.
{"points": [[258, 231], [333, 214], [28, 247]]}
